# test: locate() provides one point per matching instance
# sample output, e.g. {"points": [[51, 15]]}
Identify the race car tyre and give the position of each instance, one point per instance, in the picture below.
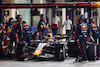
{"points": [[62, 54], [19, 49]]}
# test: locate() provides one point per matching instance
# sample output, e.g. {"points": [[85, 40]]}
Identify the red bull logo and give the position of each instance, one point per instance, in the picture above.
{"points": [[93, 26], [84, 27], [9, 31], [24, 25], [97, 4]]}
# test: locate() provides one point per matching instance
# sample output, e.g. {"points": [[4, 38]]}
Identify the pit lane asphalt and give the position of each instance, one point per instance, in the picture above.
{"points": [[69, 62]]}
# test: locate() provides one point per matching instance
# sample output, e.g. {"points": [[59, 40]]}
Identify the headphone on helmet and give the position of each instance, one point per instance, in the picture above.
{"points": [[42, 16], [19, 18], [11, 20], [23, 22], [82, 17], [91, 20]]}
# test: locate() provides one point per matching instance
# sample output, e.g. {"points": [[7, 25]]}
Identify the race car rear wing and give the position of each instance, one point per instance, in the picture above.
{"points": [[60, 36]]}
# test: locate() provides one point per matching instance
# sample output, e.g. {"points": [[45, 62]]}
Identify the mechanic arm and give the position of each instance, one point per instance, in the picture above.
{"points": [[24, 35], [71, 27], [47, 26], [90, 33], [92, 38], [77, 32], [30, 29], [58, 24], [1, 44], [63, 25], [41, 25]]}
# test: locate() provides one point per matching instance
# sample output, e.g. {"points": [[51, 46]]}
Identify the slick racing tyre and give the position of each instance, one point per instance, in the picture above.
{"points": [[62, 54]]}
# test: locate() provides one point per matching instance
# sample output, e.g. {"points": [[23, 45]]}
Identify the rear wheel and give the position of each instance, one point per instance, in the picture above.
{"points": [[64, 52], [19, 51], [61, 54]]}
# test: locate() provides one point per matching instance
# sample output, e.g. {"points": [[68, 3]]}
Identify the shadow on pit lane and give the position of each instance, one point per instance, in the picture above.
{"points": [[46, 59]]}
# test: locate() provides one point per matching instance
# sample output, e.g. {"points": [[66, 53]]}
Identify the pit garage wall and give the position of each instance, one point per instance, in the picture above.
{"points": [[62, 17], [11, 11], [26, 12], [37, 18], [97, 18], [42, 11]]}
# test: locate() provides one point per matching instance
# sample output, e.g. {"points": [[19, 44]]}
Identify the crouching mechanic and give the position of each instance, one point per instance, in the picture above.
{"points": [[95, 34], [19, 30], [1, 40], [82, 32], [10, 28], [42, 26], [27, 36]]}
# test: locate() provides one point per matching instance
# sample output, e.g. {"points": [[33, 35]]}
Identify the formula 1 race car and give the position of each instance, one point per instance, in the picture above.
{"points": [[50, 47]]}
